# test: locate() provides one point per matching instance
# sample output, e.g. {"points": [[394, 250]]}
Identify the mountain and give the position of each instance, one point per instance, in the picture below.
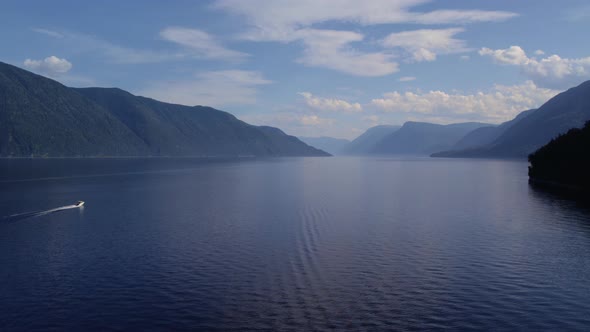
{"points": [[420, 138], [41, 117], [486, 135], [564, 161], [569, 109], [329, 144], [367, 141]]}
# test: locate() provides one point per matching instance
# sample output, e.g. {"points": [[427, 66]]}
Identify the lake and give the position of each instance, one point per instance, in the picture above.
{"points": [[288, 244]]}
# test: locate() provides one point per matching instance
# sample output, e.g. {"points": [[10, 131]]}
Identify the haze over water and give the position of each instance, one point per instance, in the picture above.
{"points": [[290, 244]]}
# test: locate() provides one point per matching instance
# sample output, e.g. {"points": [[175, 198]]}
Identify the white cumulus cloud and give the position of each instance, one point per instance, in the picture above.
{"points": [[499, 104], [51, 65], [514, 55], [327, 104], [551, 72]]}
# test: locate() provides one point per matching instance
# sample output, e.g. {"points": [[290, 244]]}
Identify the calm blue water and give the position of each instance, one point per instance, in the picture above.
{"points": [[288, 244]]}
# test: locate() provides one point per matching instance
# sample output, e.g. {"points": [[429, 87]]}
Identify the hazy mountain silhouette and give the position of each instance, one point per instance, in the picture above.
{"points": [[486, 135], [41, 117], [329, 144], [569, 109], [366, 142], [420, 138]]}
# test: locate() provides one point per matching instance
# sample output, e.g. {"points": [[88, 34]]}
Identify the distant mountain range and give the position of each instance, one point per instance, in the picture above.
{"points": [[531, 129], [364, 143], [419, 138], [486, 135], [516, 138], [329, 144], [40, 117], [413, 138]]}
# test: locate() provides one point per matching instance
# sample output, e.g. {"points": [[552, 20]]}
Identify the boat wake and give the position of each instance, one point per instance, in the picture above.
{"points": [[34, 214]]}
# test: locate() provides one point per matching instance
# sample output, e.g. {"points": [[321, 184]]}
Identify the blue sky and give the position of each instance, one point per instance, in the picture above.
{"points": [[312, 67]]}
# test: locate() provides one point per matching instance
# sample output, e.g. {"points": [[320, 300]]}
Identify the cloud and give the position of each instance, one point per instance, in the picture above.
{"points": [[276, 20], [373, 120], [51, 65], [333, 105], [331, 49], [289, 21], [551, 72], [499, 104], [461, 16], [314, 120], [195, 44], [425, 44], [514, 55], [296, 123], [407, 79], [200, 43], [214, 88], [539, 52], [113, 52], [465, 57], [49, 33]]}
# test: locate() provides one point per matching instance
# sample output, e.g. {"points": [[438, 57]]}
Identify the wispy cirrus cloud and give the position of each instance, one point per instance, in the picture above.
{"points": [[195, 44], [213, 88], [277, 20], [48, 32], [200, 43], [331, 49], [111, 51], [426, 44], [290, 21], [407, 79]]}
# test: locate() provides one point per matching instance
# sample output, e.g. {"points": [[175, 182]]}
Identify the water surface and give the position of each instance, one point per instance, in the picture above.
{"points": [[288, 244]]}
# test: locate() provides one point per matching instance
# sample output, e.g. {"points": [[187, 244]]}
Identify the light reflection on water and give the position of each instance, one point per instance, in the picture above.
{"points": [[294, 243]]}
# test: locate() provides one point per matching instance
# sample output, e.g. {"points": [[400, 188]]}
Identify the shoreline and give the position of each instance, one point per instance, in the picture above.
{"points": [[557, 185]]}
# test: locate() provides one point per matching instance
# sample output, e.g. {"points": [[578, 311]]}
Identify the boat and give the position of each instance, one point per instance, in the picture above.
{"points": [[79, 203]]}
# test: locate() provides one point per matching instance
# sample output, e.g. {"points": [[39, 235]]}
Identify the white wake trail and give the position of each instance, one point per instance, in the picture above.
{"points": [[33, 214]]}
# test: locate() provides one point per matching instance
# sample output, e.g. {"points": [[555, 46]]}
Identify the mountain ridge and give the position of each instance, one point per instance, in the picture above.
{"points": [[365, 142], [422, 138], [567, 110], [40, 117]]}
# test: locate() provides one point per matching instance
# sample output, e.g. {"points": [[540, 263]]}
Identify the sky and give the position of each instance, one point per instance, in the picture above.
{"points": [[312, 67]]}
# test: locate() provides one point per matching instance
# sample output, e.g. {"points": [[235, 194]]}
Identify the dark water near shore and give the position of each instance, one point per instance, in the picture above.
{"points": [[288, 244]]}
